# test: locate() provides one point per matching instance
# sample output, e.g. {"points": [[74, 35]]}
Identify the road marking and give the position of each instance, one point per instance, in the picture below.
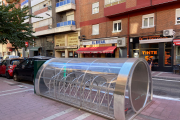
{"points": [[12, 90], [83, 116], [8, 82], [15, 92], [159, 73], [59, 114], [166, 80], [167, 98]]}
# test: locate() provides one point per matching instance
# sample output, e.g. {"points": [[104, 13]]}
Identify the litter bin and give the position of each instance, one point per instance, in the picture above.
{"points": [[114, 88]]}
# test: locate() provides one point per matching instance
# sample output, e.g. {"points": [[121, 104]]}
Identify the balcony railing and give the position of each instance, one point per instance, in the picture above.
{"points": [[113, 2], [66, 23], [65, 2], [23, 3]]}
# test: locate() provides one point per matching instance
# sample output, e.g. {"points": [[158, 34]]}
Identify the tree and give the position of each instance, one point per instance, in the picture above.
{"points": [[12, 28]]}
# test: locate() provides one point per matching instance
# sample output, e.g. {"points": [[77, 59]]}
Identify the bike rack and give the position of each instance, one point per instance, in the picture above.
{"points": [[115, 88]]}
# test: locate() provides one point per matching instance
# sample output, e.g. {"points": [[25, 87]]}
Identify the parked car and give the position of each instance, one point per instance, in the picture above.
{"points": [[7, 66], [25, 70]]}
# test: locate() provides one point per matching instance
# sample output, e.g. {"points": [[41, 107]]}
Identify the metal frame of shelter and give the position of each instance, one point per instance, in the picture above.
{"points": [[114, 88]]}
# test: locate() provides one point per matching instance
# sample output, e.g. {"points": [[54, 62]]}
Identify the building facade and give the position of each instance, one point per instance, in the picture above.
{"points": [[57, 31], [148, 29]]}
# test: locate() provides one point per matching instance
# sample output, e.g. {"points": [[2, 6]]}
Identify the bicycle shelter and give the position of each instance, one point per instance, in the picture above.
{"points": [[116, 88]]}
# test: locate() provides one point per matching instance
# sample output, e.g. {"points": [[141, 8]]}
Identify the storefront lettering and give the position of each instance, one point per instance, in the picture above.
{"points": [[99, 42], [149, 52], [152, 37]]}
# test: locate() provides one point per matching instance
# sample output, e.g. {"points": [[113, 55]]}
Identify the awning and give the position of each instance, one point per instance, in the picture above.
{"points": [[155, 40], [34, 48], [109, 49], [176, 41]]}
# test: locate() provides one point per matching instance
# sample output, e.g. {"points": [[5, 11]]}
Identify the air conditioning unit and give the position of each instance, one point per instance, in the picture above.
{"points": [[121, 42], [168, 32]]}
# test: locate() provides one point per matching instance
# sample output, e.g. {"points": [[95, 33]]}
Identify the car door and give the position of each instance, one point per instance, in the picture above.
{"points": [[20, 69], [3, 70], [29, 69], [1, 66]]}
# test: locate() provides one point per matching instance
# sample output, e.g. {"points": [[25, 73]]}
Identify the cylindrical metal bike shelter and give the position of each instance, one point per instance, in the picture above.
{"points": [[115, 88]]}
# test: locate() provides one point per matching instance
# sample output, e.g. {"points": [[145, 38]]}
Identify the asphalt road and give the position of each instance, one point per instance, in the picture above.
{"points": [[166, 88]]}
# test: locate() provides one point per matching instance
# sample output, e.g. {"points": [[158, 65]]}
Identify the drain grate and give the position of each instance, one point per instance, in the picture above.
{"points": [[159, 93], [15, 84]]}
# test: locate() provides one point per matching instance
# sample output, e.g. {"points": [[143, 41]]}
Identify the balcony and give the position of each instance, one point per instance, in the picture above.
{"points": [[65, 5], [60, 27], [66, 23], [109, 3]]}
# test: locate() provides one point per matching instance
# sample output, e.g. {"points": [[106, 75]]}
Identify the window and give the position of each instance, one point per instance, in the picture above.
{"points": [[148, 21], [168, 52], [178, 16], [95, 29], [117, 26], [95, 8]]}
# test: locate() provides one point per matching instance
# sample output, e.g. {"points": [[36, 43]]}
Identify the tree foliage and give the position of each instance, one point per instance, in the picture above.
{"points": [[12, 26]]}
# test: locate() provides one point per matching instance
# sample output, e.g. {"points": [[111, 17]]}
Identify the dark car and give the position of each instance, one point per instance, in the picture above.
{"points": [[25, 70], [7, 66]]}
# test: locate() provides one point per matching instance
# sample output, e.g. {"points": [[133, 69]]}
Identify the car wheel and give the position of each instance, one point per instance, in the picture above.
{"points": [[15, 78], [7, 75]]}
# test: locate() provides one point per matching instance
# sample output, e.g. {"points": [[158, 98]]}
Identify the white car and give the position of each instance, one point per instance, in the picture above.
{"points": [[9, 56]]}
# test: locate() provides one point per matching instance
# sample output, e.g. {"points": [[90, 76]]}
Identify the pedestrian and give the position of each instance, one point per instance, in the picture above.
{"points": [[150, 63]]}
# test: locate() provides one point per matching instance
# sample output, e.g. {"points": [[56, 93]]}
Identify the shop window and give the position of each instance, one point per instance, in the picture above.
{"points": [[148, 21], [95, 29], [178, 16], [148, 51], [95, 8], [177, 55], [63, 55], [117, 26], [167, 56], [70, 54]]}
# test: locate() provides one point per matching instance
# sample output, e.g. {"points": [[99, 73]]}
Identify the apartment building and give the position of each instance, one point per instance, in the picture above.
{"points": [[57, 30], [131, 28]]}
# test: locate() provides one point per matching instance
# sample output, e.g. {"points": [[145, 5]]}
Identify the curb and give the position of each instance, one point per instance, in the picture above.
{"points": [[167, 78]]}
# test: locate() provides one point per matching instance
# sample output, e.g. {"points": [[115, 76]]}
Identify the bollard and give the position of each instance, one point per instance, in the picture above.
{"points": [[113, 88]]}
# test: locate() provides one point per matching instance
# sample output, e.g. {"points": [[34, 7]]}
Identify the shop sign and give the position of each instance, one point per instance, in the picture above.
{"points": [[72, 39], [100, 42], [152, 37], [149, 52], [59, 40]]}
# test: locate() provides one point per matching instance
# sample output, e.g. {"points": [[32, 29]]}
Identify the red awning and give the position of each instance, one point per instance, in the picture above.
{"points": [[109, 49], [176, 41]]}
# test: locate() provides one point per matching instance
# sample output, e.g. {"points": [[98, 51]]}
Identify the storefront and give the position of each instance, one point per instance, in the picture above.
{"points": [[66, 45], [44, 46], [158, 48], [100, 48], [176, 43]]}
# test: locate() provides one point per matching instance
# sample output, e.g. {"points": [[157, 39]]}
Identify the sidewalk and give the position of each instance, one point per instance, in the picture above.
{"points": [[165, 75], [161, 109]]}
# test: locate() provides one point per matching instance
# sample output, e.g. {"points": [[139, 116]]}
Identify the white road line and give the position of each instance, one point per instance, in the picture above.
{"points": [[158, 74], [167, 98], [12, 90], [83, 116], [166, 80], [15, 92], [8, 82], [59, 114]]}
